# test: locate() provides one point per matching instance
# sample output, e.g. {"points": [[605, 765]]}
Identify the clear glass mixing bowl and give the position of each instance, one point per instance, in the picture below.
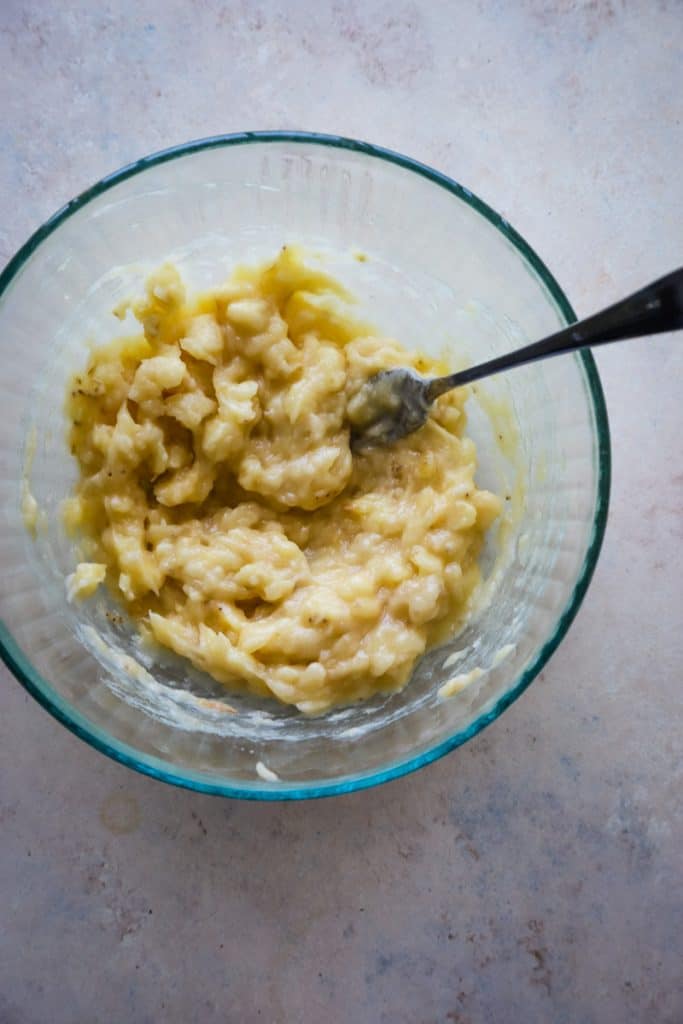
{"points": [[442, 272]]}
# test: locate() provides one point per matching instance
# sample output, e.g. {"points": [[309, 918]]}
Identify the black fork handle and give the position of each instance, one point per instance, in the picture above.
{"points": [[656, 308]]}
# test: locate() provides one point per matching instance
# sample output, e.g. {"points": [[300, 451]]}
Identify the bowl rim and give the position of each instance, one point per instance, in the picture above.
{"points": [[64, 712]]}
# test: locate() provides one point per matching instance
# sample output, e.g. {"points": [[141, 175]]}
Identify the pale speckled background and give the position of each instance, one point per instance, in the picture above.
{"points": [[536, 874]]}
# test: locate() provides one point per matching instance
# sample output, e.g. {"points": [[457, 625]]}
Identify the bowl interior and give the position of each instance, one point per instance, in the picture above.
{"points": [[442, 274]]}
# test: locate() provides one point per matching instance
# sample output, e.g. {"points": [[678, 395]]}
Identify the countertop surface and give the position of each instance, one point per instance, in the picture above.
{"points": [[536, 874]]}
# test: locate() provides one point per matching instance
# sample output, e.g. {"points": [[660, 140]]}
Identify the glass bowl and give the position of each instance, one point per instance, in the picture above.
{"points": [[429, 263]]}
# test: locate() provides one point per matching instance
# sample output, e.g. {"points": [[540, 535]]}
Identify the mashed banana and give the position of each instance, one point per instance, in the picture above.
{"points": [[219, 495]]}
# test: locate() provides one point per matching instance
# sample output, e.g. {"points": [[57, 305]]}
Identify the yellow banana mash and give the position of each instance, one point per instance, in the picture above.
{"points": [[219, 497]]}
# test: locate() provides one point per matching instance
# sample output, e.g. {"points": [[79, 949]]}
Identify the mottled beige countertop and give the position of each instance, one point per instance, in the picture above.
{"points": [[535, 875]]}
